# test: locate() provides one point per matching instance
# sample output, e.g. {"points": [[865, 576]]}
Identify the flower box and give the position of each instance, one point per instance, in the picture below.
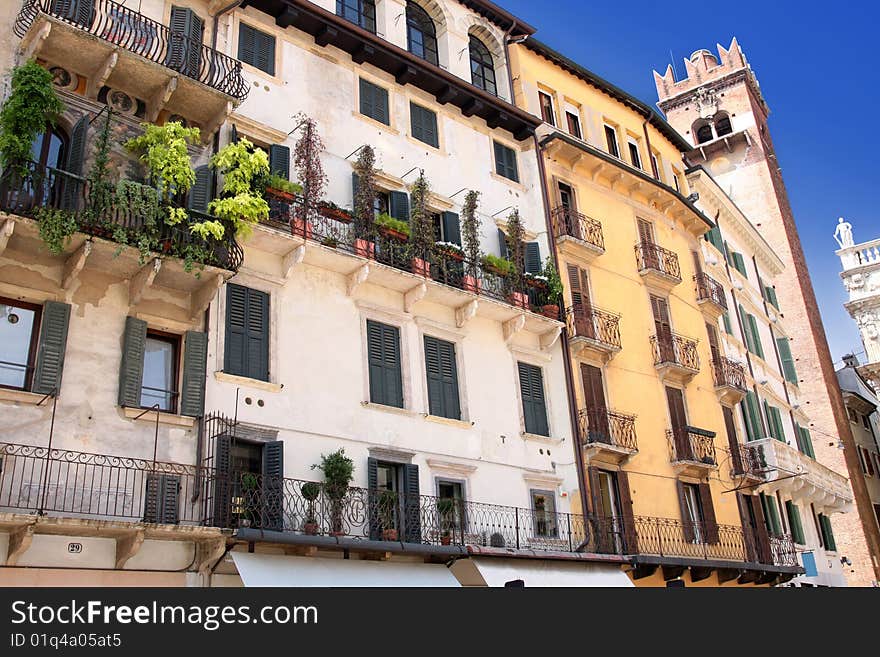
{"points": [[280, 194], [519, 299], [393, 234], [365, 248], [421, 267], [337, 214]]}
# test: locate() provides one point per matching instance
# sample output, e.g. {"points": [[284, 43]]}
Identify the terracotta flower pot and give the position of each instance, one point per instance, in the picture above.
{"points": [[393, 234], [421, 267], [365, 248], [389, 534], [470, 284], [336, 214], [280, 194], [551, 311], [303, 228], [519, 299], [310, 528]]}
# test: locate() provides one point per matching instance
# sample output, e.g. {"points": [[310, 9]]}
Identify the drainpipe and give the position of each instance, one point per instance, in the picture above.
{"points": [[216, 20], [648, 143], [566, 353], [506, 43]]}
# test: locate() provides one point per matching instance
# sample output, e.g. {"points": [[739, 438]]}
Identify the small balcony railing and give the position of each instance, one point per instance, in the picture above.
{"points": [[677, 350], [603, 427], [653, 257], [599, 326], [53, 188], [748, 460], [126, 28], [692, 445], [710, 290], [729, 373], [570, 223]]}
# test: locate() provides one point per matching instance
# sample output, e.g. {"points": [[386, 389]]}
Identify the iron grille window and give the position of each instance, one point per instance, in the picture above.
{"points": [[505, 162], [256, 48], [421, 35], [374, 102], [482, 66], [360, 12]]}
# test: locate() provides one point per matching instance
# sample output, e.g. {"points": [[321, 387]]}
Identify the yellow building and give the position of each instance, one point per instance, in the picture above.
{"points": [[642, 337]]}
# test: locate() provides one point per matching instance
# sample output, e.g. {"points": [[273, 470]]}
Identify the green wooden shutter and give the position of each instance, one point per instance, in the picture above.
{"points": [[451, 227], [279, 160], [788, 368], [272, 516], [256, 48], [770, 296], [411, 504], [794, 521], [771, 514], [51, 348], [161, 499], [374, 101], [423, 125], [533, 258], [398, 203], [805, 442], [751, 416], [756, 337], [739, 263], [247, 332], [202, 191], [728, 328], [505, 162], [442, 375], [827, 533], [383, 352], [185, 42], [131, 372], [73, 164], [367, 102], [714, 238], [531, 383], [222, 483], [195, 362], [247, 44], [375, 524]]}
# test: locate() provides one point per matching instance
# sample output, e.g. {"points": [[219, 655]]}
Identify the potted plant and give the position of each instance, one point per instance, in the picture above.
{"points": [[310, 492], [338, 472], [515, 235], [281, 188], [387, 506], [244, 504], [554, 290], [364, 200], [470, 240], [330, 240], [496, 265], [309, 169], [450, 250], [421, 227], [392, 228], [496, 540], [445, 507]]}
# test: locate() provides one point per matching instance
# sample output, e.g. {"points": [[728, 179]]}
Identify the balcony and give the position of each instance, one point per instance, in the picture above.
{"points": [[117, 47], [658, 267], [593, 332], [710, 296], [747, 463], [675, 357], [692, 450], [730, 380], [607, 435], [804, 479], [329, 239], [577, 236]]}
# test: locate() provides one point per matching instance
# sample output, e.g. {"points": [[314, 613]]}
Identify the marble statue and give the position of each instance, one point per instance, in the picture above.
{"points": [[843, 233]]}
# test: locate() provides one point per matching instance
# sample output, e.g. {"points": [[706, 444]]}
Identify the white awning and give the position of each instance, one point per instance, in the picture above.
{"points": [[497, 571], [282, 570]]}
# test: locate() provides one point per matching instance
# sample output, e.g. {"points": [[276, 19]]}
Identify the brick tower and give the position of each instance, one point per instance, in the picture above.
{"points": [[720, 109]]}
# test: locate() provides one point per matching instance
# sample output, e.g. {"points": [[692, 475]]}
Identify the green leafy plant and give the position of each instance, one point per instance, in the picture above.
{"points": [[554, 282], [503, 266], [385, 220], [282, 184], [56, 227], [100, 188], [338, 472], [516, 245], [365, 196], [310, 492], [470, 231], [141, 201], [31, 105], [242, 166], [421, 226], [164, 150]]}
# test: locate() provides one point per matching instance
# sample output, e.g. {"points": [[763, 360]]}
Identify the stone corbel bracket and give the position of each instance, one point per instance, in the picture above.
{"points": [[513, 326]]}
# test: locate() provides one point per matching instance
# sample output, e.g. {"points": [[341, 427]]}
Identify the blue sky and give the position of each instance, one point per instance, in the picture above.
{"points": [[816, 66]]}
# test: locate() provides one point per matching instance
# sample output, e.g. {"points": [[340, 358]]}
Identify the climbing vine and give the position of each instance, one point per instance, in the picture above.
{"points": [[421, 238], [365, 169]]}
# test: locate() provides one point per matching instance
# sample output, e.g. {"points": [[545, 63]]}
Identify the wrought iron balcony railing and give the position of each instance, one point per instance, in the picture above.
{"points": [[607, 427], [674, 349], [64, 483], [589, 322], [708, 289], [53, 188], [126, 28], [729, 373], [655, 258], [748, 460], [339, 231], [568, 222], [693, 445]]}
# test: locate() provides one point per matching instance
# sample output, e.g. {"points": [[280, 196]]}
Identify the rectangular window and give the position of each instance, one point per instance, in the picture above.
{"points": [[160, 371], [359, 12], [547, 112], [374, 102], [544, 509], [574, 124], [655, 166], [634, 156], [383, 349], [19, 324], [505, 162], [247, 332], [675, 180], [611, 141], [256, 48], [424, 125], [531, 386], [442, 374]]}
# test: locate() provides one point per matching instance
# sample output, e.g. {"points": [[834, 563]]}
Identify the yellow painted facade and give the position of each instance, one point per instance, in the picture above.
{"points": [[617, 194]]}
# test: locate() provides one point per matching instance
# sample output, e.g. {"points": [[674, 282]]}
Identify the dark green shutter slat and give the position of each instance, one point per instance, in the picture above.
{"points": [[442, 377], [435, 381], [532, 391], [272, 516], [52, 348], [533, 258], [258, 335], [374, 101], [247, 46], [73, 164], [195, 362], [411, 504], [201, 193], [247, 332], [758, 348], [423, 125], [131, 372], [451, 227], [383, 347], [279, 160], [399, 206], [185, 40]]}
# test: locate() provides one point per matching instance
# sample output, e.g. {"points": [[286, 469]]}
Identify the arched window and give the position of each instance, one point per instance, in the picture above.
{"points": [[421, 35], [703, 131], [482, 66], [722, 125]]}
